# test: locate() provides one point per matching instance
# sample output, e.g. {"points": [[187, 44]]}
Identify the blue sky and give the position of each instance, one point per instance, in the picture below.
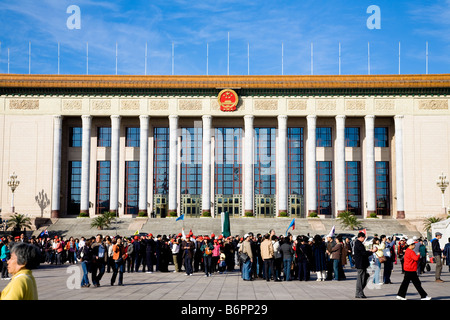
{"points": [[265, 26]]}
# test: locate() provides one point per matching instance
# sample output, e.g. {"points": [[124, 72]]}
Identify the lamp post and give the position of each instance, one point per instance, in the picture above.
{"points": [[13, 183], [442, 183]]}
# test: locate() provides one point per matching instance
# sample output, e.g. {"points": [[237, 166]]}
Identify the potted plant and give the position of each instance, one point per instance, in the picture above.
{"points": [[349, 220], [313, 215], [248, 213], [19, 222], [100, 222], [283, 214]]}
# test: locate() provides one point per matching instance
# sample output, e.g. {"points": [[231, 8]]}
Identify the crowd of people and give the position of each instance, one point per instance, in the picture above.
{"points": [[270, 257]]}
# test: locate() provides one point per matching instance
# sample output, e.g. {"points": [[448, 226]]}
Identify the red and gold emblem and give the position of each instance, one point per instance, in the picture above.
{"points": [[228, 100]]}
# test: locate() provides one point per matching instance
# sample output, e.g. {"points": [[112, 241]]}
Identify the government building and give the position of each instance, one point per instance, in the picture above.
{"points": [[262, 146]]}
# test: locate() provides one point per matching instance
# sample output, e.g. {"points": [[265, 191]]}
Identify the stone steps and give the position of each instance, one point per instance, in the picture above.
{"points": [[78, 227]]}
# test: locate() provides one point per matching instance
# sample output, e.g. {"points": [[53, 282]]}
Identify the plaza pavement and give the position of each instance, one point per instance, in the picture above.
{"points": [[60, 283]]}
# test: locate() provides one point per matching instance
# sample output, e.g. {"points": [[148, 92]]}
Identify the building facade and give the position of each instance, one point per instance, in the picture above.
{"points": [[168, 145]]}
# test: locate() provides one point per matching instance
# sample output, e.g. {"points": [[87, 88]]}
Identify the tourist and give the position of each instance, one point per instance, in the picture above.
{"points": [[188, 253], [5, 255], [361, 256], [410, 268], [84, 255], [24, 258], [119, 257], [319, 263], [207, 249], [278, 258], [446, 254], [267, 255], [378, 256], [246, 256], [302, 259], [437, 255], [389, 254], [287, 253], [336, 257]]}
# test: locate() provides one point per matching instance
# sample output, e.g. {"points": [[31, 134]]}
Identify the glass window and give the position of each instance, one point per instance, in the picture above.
{"points": [[228, 161], [161, 160], [323, 137], [264, 168], [295, 160], [74, 196], [352, 137], [381, 137], [191, 160], [353, 186], [104, 137], [75, 137], [133, 137], [131, 187], [103, 186], [382, 187], [324, 182]]}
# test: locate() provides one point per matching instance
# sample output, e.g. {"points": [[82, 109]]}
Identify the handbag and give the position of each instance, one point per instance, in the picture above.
{"points": [[382, 259], [244, 257], [428, 267]]}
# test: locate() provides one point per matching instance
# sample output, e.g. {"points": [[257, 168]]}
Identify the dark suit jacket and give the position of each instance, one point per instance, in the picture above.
{"points": [[361, 255]]}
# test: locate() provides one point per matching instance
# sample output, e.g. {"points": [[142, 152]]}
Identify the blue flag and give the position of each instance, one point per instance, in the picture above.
{"points": [[180, 217], [44, 233], [292, 224]]}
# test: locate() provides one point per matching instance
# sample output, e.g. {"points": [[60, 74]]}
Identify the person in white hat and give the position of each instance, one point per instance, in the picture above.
{"points": [[410, 268]]}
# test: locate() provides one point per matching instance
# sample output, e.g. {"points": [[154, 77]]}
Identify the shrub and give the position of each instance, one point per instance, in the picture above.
{"points": [[248, 213], [349, 220], [206, 213], [283, 214], [83, 215], [313, 215], [142, 214], [373, 215]]}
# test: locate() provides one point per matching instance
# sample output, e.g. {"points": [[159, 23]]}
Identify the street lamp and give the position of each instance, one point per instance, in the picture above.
{"points": [[13, 183], [442, 183]]}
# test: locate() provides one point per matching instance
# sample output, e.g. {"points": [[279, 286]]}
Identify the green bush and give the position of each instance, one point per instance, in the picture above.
{"points": [[142, 214], [313, 215], [83, 215], [173, 214], [373, 215], [248, 213], [283, 214], [349, 220]]}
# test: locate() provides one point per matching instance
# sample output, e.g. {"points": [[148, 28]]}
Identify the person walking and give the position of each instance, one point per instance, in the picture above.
{"points": [[410, 267], [361, 256], [437, 255]]}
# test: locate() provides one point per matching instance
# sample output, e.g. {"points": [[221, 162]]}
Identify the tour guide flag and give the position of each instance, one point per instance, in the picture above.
{"points": [[136, 233], [180, 217], [225, 218], [332, 231], [292, 224]]}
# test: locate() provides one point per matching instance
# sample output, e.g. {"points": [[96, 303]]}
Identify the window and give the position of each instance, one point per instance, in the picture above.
{"points": [[191, 160], [103, 185], [382, 187], [324, 182], [295, 160], [353, 186], [323, 137], [352, 137], [161, 160], [131, 187], [381, 137], [75, 137], [104, 137], [264, 168], [228, 161], [74, 195], [132, 137]]}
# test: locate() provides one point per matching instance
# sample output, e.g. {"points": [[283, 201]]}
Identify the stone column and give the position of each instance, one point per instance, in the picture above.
{"points": [[340, 164], [399, 166], [206, 165], [173, 162], [282, 164], [143, 162], [248, 164], [311, 191], [85, 162], [370, 164], [56, 185], [115, 147]]}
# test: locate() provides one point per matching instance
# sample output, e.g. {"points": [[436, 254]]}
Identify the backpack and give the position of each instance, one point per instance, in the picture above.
{"points": [[208, 250]]}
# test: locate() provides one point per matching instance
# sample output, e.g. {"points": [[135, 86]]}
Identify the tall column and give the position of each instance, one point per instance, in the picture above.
{"points": [[56, 185], [282, 164], [311, 191], [340, 164], [370, 163], [85, 162], [399, 166], [206, 164], [115, 147], [248, 164], [173, 161], [143, 162]]}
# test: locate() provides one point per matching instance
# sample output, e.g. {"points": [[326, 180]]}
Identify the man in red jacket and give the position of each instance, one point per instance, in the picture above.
{"points": [[410, 268]]}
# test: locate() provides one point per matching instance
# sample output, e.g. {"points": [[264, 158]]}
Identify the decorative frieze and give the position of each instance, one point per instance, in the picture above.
{"points": [[129, 105], [190, 104], [325, 104], [384, 105], [101, 105], [263, 104], [433, 104], [24, 104], [358, 105], [297, 104], [158, 105], [71, 105]]}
